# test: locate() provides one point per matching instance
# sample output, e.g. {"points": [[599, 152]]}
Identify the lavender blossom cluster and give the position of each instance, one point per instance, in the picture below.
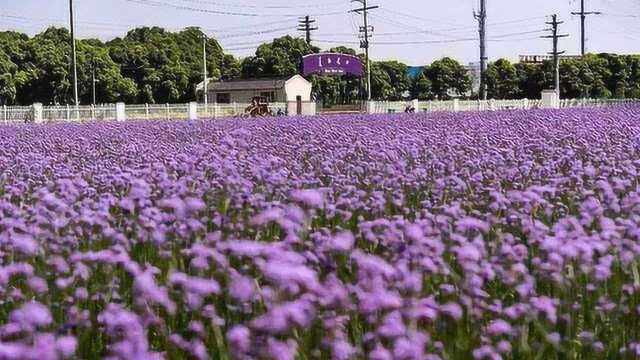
{"points": [[505, 235]]}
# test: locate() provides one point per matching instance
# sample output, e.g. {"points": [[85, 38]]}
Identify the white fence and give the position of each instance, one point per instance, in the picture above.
{"points": [[39, 113], [70, 113], [381, 107]]}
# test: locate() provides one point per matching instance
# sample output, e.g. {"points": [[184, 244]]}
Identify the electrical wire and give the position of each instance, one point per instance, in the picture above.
{"points": [[248, 6], [157, 3]]}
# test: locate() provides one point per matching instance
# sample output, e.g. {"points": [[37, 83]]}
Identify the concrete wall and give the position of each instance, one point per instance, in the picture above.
{"points": [[550, 99]]}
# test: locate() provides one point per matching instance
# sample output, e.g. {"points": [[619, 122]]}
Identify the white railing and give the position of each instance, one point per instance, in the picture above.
{"points": [[45, 114], [16, 114], [69, 113], [109, 112], [157, 112], [383, 107]]}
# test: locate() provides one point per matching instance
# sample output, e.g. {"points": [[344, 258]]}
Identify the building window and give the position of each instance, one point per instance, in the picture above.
{"points": [[270, 96], [223, 98]]}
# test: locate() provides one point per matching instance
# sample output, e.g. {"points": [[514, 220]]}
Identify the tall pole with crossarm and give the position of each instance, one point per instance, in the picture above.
{"points": [[556, 53], [583, 17], [482, 32], [366, 35], [74, 68], [204, 70]]}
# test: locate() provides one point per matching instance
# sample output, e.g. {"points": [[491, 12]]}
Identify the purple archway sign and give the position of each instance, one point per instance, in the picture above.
{"points": [[332, 64]]}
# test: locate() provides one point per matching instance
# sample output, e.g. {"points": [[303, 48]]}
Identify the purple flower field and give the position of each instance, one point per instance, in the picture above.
{"points": [[504, 235]]}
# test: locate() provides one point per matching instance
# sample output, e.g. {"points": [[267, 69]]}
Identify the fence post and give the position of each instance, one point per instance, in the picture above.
{"points": [[415, 104], [146, 111], [456, 105], [37, 113], [121, 114], [5, 116], [167, 108], [525, 104], [370, 107], [216, 110], [192, 110]]}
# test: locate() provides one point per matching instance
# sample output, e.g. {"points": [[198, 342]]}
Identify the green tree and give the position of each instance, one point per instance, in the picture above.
{"points": [[421, 87], [111, 86], [7, 79], [389, 80], [531, 80], [502, 80], [47, 61], [447, 77], [166, 66], [633, 83], [280, 58]]}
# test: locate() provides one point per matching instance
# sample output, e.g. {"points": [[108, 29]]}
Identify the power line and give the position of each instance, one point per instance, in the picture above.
{"points": [[156, 3], [121, 26], [249, 6], [252, 33], [411, 16], [583, 16], [398, 42]]}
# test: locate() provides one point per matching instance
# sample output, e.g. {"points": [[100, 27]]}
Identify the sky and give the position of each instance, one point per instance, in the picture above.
{"points": [[415, 32]]}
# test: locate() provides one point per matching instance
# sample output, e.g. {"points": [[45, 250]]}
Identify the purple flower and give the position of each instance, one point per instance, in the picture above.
{"points": [[342, 242], [452, 310], [32, 314], [147, 290], [468, 224], [380, 353], [311, 198], [499, 328], [239, 337], [67, 346], [392, 325], [242, 288], [282, 350]]}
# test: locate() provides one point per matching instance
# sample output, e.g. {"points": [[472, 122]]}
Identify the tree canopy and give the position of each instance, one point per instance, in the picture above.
{"points": [[448, 78]]}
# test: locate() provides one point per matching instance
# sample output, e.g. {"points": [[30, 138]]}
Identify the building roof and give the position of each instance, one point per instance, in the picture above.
{"points": [[414, 71], [539, 59], [260, 84], [253, 84]]}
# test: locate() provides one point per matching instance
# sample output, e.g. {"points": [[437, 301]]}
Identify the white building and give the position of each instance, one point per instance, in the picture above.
{"points": [[293, 89]]}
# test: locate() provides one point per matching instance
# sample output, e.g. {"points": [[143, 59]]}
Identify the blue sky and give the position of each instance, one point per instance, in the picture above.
{"points": [[413, 31]]}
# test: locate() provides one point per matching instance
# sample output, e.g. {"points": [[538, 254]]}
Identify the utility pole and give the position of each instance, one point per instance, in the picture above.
{"points": [[583, 16], [74, 68], [204, 70], [93, 80], [305, 25], [482, 30], [556, 54], [364, 43]]}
